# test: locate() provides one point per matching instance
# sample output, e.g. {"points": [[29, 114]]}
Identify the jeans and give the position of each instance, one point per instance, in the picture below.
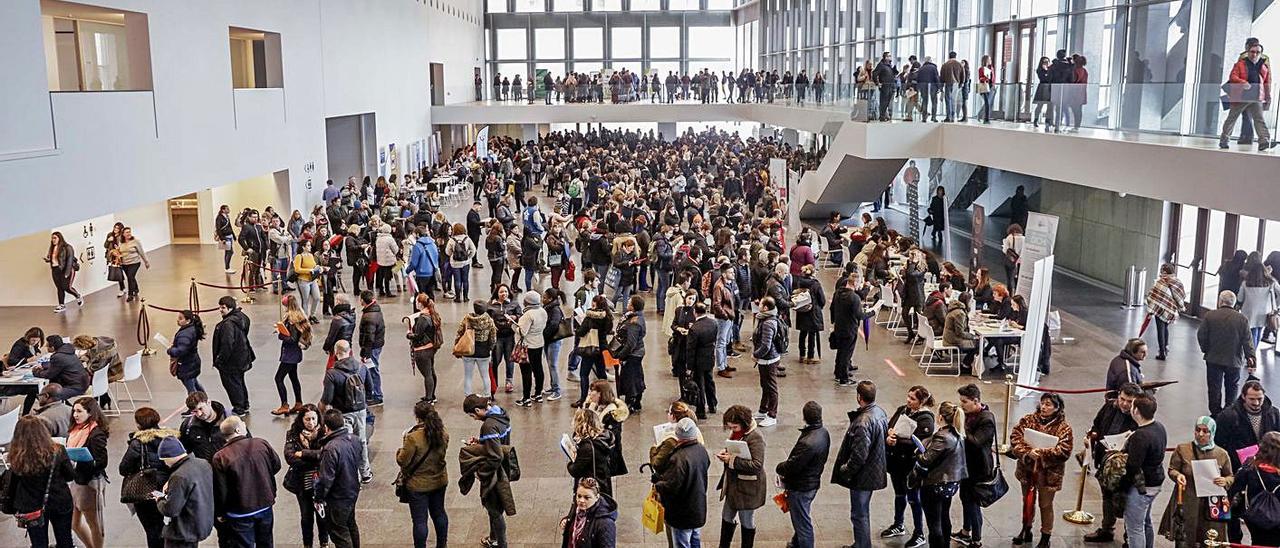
{"points": [[356, 422], [497, 522], [1256, 333], [278, 282], [686, 538], [904, 496], [589, 365], [971, 510], [152, 522], [61, 524], [309, 297], [664, 283], [1219, 377], [462, 282], [801, 520], [192, 385], [252, 530], [986, 106], [886, 97], [937, 511], [424, 505], [237, 393], [502, 351], [481, 367], [375, 374], [745, 517], [860, 515], [289, 371], [343, 529], [723, 330], [949, 92], [425, 361], [551, 353], [1162, 335], [308, 519], [1137, 518], [62, 282]]}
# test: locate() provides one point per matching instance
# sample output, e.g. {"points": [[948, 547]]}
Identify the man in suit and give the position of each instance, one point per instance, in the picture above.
{"points": [[702, 357]]}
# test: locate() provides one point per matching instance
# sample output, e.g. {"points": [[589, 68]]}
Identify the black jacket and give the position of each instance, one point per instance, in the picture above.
{"points": [[335, 380], [846, 316], [901, 457], [593, 460], [812, 320], [802, 470], [943, 458], [143, 451], [860, 463], [1146, 456], [231, 349], [701, 345], [341, 326], [97, 446], [19, 352], [1124, 368], [1061, 72], [27, 492], [203, 439], [979, 440], [244, 478], [1225, 338], [683, 486], [338, 480], [373, 330], [65, 369], [600, 530], [1110, 420], [1235, 432]]}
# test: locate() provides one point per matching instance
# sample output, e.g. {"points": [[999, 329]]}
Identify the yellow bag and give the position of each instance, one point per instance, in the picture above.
{"points": [[652, 517]]}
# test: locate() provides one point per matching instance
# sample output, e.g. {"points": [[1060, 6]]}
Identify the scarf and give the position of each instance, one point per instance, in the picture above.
{"points": [[79, 434], [1213, 430]]}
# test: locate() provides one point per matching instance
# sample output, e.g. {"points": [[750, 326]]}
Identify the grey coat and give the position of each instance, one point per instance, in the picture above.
{"points": [[1225, 338], [188, 501]]}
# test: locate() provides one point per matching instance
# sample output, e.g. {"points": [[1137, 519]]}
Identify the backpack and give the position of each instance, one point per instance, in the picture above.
{"points": [[575, 188], [779, 336], [1262, 511], [1112, 470], [459, 251], [353, 392]]}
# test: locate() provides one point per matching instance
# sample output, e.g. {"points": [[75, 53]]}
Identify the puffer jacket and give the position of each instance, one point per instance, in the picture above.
{"points": [[142, 452], [955, 331], [764, 351], [860, 463], [341, 326], [231, 348], [386, 249], [943, 458], [373, 330], [632, 331], [1047, 470], [599, 529]]}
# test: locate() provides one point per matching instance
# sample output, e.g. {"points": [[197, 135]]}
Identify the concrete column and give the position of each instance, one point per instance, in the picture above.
{"points": [[790, 137], [529, 132], [667, 130]]}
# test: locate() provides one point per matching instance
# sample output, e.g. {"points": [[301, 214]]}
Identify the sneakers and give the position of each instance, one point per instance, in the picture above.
{"points": [[366, 480], [1222, 144], [553, 395], [961, 537], [894, 530], [488, 543], [509, 388], [59, 309], [573, 377], [524, 402], [231, 271], [767, 422], [845, 383], [120, 294], [916, 541], [537, 399]]}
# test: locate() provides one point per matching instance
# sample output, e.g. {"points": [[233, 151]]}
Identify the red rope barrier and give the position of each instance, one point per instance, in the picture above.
{"points": [[193, 297], [234, 287], [267, 268], [166, 309]]}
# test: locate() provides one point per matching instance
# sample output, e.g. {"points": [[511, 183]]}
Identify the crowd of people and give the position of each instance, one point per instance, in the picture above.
{"points": [[584, 233], [625, 86]]}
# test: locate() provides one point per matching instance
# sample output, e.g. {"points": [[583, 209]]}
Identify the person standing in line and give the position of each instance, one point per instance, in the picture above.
{"points": [[1227, 344], [1114, 417], [593, 338], [337, 483], [682, 486], [373, 332], [551, 303], [594, 448], [724, 307], [185, 350], [1195, 516], [308, 270], [244, 486], [298, 337], [1261, 474], [63, 264], [223, 231], [1041, 470], [302, 447], [1165, 302], [979, 457], [342, 327], [199, 430], [232, 353], [943, 466], [900, 460], [481, 325], [744, 485], [860, 464], [39, 471], [700, 358], [1249, 88], [387, 251], [846, 317], [1258, 296], [142, 454], [423, 473], [88, 430], [484, 459], [529, 328], [1143, 474], [475, 225], [253, 243], [281, 247], [592, 519], [1245, 424], [801, 474], [462, 256], [766, 353], [186, 498], [986, 88], [952, 77], [809, 318], [424, 261], [631, 352], [505, 313], [425, 338], [344, 390]]}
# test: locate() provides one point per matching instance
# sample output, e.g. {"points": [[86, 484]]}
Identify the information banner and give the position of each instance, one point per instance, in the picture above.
{"points": [[1037, 314], [1041, 232], [975, 241], [482, 143], [778, 176]]}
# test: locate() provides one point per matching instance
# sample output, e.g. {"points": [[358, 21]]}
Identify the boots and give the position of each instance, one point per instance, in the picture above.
{"points": [[748, 538], [726, 533], [1024, 537], [1044, 541]]}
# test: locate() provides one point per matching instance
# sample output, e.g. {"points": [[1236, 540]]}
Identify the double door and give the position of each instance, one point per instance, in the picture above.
{"points": [[1016, 50]]}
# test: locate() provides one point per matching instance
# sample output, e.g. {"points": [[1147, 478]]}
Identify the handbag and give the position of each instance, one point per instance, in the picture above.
{"points": [[402, 490], [511, 462], [652, 514], [564, 330], [466, 344], [992, 490], [36, 518], [137, 487], [781, 500], [569, 271], [115, 273], [983, 87]]}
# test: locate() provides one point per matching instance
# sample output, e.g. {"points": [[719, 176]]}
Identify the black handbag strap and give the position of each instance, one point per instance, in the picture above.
{"points": [[405, 475], [48, 485]]}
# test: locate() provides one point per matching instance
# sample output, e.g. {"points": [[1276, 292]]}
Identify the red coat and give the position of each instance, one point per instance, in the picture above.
{"points": [[1240, 75]]}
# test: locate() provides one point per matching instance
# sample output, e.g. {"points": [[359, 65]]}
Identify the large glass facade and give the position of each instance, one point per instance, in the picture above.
{"points": [[1153, 65]]}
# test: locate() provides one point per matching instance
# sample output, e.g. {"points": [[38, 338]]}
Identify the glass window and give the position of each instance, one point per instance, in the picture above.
{"points": [[510, 70], [1271, 241], [567, 5], [645, 5], [711, 42], [496, 6], [626, 42], [588, 67], [1187, 244], [557, 69], [588, 43], [606, 5], [1213, 258], [526, 6], [664, 42], [1247, 233], [511, 44], [661, 68], [1156, 66], [719, 4], [548, 43], [683, 5]]}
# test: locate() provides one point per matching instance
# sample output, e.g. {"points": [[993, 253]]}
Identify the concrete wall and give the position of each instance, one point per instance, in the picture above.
{"points": [[1100, 233]]}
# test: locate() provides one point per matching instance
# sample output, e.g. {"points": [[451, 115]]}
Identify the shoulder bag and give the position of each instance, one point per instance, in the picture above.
{"points": [[992, 490], [402, 478], [36, 519], [137, 487]]}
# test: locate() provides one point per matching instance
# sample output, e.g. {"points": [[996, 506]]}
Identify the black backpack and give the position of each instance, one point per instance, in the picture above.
{"points": [[460, 251], [353, 392]]}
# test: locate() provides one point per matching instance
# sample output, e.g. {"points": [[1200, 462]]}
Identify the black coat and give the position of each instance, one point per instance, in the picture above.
{"points": [[203, 439], [373, 330], [600, 530], [1110, 420], [1235, 432], [802, 471], [846, 316], [27, 492], [682, 487], [860, 463], [700, 345], [902, 455], [97, 446], [65, 369], [185, 349], [341, 326], [812, 320], [979, 439], [231, 349], [593, 460]]}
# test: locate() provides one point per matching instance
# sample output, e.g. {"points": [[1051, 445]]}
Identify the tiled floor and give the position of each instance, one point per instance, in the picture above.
{"points": [[1093, 319]]}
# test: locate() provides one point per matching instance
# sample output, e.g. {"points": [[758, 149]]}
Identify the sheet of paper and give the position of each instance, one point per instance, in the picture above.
{"points": [[567, 447], [1039, 440], [737, 448], [164, 341], [663, 431], [904, 427], [1204, 472], [1115, 442]]}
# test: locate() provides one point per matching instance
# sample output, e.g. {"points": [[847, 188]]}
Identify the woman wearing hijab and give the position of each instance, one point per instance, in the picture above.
{"points": [[1195, 509]]}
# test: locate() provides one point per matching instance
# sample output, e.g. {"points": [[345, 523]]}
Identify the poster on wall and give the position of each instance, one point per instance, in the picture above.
{"points": [[1040, 233], [382, 161], [393, 158], [778, 176], [975, 246], [482, 143]]}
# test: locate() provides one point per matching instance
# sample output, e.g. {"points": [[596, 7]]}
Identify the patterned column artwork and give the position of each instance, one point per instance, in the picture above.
{"points": [[911, 178]]}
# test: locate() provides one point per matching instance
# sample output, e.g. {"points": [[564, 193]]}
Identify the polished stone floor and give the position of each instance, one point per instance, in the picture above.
{"points": [[1093, 318]]}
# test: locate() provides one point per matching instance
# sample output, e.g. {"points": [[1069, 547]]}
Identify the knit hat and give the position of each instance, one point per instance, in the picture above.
{"points": [[170, 447], [686, 429], [532, 298]]}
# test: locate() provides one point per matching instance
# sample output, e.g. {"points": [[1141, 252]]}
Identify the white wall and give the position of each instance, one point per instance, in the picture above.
{"points": [[118, 150]]}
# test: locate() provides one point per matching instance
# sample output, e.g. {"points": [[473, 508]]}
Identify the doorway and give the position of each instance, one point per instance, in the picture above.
{"points": [[1014, 44], [351, 143], [184, 219], [437, 84]]}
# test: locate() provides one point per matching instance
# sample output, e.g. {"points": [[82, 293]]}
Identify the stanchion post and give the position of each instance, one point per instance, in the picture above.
{"points": [[1008, 411], [1079, 516], [146, 343], [1211, 539], [193, 295]]}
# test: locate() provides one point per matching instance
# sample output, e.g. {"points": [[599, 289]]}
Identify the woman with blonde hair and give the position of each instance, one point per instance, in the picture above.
{"points": [[594, 447], [308, 271], [943, 466], [294, 332]]}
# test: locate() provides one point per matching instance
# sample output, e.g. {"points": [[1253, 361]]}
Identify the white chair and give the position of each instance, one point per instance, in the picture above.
{"points": [[102, 387], [133, 372], [823, 258], [920, 321], [932, 346], [8, 423]]}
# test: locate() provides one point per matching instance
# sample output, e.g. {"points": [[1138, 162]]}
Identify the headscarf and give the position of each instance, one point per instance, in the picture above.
{"points": [[1213, 431]]}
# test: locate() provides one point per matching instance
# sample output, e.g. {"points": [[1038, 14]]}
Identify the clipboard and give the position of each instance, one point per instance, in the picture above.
{"points": [[1039, 440]]}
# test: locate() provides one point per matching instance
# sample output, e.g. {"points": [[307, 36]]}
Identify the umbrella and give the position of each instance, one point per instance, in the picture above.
{"points": [[1145, 322], [866, 332], [1178, 524]]}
